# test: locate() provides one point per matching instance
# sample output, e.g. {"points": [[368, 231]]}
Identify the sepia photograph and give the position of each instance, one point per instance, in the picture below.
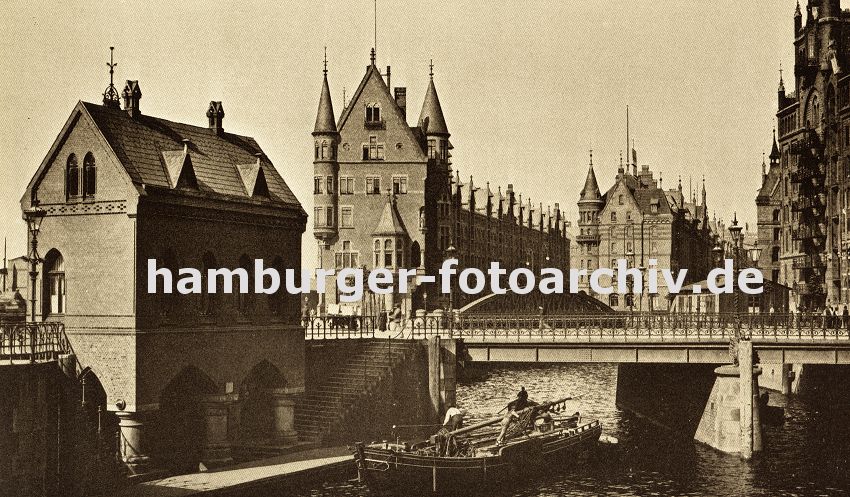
{"points": [[377, 248]]}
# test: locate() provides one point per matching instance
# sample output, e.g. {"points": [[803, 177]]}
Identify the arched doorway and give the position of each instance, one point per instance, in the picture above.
{"points": [[181, 426], [257, 412]]}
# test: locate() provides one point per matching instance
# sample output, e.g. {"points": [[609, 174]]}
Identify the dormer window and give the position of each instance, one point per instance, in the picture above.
{"points": [[373, 113], [72, 184]]}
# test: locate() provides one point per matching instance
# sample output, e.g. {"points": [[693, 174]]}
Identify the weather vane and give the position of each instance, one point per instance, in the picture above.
{"points": [[110, 96]]}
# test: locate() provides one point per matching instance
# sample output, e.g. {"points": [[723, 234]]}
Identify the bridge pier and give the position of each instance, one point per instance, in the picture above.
{"points": [[731, 421]]}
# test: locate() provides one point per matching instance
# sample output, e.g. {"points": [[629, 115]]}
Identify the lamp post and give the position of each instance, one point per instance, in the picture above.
{"points": [[34, 216], [735, 231], [717, 257], [451, 253], [630, 255]]}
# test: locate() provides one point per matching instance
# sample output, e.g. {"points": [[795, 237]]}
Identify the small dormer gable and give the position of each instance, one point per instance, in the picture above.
{"points": [[178, 166], [254, 179]]}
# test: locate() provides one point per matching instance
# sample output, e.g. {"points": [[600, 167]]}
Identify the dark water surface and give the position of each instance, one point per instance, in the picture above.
{"points": [[808, 456]]}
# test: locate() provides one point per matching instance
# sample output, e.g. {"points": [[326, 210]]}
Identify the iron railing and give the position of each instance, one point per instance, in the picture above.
{"points": [[617, 327], [32, 342]]}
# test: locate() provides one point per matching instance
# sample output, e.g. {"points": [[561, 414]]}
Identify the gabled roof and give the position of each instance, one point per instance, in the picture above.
{"points": [[390, 223], [145, 145], [431, 118]]}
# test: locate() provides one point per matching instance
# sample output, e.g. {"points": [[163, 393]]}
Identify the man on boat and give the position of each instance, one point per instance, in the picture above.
{"points": [[454, 419], [521, 402]]}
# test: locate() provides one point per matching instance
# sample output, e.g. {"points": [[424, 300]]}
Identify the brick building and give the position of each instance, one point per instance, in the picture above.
{"points": [[191, 375], [813, 191], [637, 220], [386, 196], [769, 213]]}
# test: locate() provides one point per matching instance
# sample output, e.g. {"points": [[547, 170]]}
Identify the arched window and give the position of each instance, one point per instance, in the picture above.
{"points": [[377, 253], [72, 182], [324, 150], [243, 300], [774, 254], [613, 216], [614, 300], [208, 300], [373, 113], [775, 215], [317, 150], [89, 175], [54, 283], [388, 253], [399, 253], [415, 255]]}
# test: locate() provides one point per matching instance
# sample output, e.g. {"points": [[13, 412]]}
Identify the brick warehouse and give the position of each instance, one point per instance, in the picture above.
{"points": [[386, 197], [637, 220], [189, 376], [805, 196]]}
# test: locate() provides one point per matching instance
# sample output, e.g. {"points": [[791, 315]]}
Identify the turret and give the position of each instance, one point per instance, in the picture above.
{"points": [[325, 166], [433, 125], [774, 152], [590, 204], [798, 20]]}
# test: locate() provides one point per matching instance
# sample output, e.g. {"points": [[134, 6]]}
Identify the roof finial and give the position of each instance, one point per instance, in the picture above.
{"points": [[591, 157], [372, 56], [344, 105], [431, 71], [111, 97], [325, 70]]}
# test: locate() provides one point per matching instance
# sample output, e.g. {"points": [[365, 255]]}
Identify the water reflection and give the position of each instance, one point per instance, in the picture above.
{"points": [[807, 456]]}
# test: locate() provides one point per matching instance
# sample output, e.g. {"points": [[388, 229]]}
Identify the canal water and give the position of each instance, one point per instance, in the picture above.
{"points": [[808, 456]]}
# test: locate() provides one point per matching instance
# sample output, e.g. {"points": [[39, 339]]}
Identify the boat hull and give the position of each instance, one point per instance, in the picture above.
{"points": [[414, 473]]}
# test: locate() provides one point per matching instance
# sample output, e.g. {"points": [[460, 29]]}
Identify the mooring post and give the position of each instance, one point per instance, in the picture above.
{"points": [[745, 396], [434, 376]]}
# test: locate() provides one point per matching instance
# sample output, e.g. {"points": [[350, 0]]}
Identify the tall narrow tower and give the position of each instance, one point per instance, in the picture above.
{"points": [[590, 204], [325, 169]]}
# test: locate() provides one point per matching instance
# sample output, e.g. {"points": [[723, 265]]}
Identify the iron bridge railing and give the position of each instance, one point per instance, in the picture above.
{"points": [[32, 342], [619, 326]]}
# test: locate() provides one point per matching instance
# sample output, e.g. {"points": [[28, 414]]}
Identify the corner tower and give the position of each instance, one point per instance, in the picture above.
{"points": [[590, 204], [325, 167]]}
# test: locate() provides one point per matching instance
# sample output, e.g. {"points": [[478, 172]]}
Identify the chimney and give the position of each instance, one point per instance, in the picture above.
{"points": [[132, 94], [215, 114], [401, 100], [389, 81]]}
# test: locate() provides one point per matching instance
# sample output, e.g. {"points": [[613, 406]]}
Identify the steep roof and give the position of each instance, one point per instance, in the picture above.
{"points": [[431, 118], [390, 223], [149, 148], [325, 122], [591, 187]]}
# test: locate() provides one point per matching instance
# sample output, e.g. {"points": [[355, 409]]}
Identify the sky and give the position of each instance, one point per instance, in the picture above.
{"points": [[527, 88]]}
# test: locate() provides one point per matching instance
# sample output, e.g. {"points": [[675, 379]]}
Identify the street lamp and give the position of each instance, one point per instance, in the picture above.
{"points": [[630, 254], [34, 216], [451, 253], [755, 253], [735, 231]]}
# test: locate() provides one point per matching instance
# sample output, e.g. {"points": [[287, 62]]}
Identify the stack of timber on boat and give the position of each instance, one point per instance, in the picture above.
{"points": [[470, 457]]}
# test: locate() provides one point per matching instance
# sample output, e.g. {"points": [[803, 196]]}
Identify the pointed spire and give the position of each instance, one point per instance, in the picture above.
{"points": [[680, 183], [620, 170], [590, 192], [431, 118], [325, 122], [763, 167], [774, 152], [703, 191], [797, 12], [781, 82]]}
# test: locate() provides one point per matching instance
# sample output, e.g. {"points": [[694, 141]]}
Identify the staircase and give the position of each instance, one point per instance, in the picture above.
{"points": [[349, 391]]}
